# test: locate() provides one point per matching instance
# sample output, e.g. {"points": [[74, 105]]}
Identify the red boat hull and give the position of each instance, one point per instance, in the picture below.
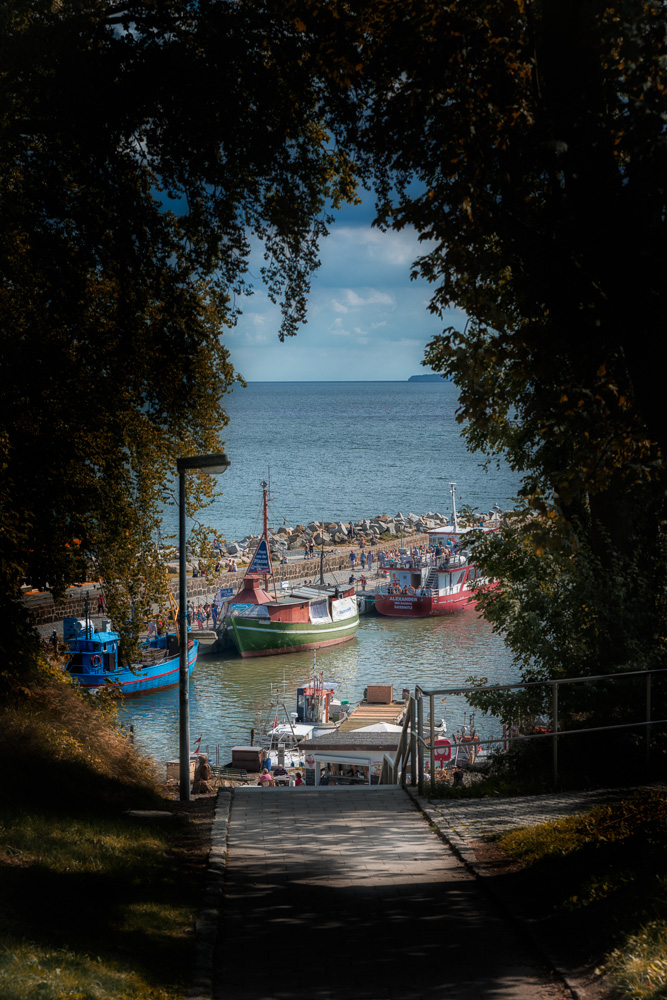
{"points": [[415, 606]]}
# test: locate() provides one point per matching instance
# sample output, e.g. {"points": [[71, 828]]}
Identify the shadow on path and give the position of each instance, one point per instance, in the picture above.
{"points": [[348, 894]]}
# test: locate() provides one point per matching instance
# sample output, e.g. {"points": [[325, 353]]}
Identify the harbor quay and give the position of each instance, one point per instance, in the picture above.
{"points": [[44, 611]]}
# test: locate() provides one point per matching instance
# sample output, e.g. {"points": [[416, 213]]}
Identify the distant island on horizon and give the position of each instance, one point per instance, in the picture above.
{"points": [[426, 378]]}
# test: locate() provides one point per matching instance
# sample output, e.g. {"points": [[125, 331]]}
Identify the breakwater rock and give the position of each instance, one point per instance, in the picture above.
{"points": [[381, 527]]}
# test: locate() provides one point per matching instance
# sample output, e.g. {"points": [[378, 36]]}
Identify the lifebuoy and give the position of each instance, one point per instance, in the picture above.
{"points": [[410, 590], [443, 750], [95, 660]]}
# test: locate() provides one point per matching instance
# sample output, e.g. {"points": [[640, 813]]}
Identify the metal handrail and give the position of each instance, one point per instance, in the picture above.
{"points": [[418, 743]]}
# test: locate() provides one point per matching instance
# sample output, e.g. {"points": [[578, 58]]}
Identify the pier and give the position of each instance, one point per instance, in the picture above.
{"points": [[369, 712]]}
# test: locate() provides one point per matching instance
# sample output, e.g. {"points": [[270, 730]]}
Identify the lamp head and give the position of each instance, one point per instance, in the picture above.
{"points": [[214, 465]]}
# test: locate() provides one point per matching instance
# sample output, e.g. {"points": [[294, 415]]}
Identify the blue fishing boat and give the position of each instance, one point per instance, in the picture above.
{"points": [[93, 662]]}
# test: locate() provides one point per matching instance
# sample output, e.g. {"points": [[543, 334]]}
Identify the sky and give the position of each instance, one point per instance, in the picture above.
{"points": [[366, 320]]}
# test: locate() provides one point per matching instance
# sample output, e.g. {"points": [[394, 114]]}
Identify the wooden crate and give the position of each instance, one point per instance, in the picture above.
{"points": [[380, 694], [247, 758]]}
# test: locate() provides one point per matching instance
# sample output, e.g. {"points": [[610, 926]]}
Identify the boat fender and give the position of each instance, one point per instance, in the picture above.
{"points": [[95, 660]]}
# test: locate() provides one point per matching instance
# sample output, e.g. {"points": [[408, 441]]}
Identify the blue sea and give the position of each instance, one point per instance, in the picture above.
{"points": [[338, 450], [346, 450]]}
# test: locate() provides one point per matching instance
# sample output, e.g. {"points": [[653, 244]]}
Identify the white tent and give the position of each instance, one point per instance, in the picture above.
{"points": [[380, 727]]}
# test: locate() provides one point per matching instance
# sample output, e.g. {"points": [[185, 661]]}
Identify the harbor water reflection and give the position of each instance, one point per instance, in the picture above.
{"points": [[230, 695]]}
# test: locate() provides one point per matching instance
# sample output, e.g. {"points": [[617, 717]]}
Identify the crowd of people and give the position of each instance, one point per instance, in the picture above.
{"points": [[202, 614]]}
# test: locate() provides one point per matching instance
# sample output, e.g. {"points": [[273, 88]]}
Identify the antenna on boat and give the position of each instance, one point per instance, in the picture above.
{"points": [[452, 487]]}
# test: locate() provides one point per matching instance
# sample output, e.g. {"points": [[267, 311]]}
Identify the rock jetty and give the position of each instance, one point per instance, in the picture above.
{"points": [[383, 527]]}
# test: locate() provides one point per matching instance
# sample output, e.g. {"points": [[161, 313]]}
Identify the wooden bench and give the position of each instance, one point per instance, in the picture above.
{"points": [[230, 773]]}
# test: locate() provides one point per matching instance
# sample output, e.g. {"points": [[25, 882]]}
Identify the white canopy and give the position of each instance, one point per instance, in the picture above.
{"points": [[380, 727]]}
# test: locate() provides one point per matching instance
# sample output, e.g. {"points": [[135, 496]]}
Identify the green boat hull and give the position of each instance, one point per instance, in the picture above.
{"points": [[255, 637]]}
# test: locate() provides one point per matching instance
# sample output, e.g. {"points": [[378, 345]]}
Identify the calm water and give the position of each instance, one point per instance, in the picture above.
{"points": [[343, 451], [229, 695], [337, 451]]}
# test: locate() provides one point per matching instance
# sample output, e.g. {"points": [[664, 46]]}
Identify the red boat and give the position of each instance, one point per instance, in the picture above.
{"points": [[437, 583]]}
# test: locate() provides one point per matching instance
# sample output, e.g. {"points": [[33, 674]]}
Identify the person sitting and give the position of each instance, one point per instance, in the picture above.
{"points": [[265, 780], [203, 783], [298, 780], [279, 772]]}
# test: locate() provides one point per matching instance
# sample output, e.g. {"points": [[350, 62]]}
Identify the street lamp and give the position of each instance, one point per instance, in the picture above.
{"points": [[213, 465]]}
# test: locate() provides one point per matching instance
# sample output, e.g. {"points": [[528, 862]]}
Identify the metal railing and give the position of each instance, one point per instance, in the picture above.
{"points": [[413, 744]]}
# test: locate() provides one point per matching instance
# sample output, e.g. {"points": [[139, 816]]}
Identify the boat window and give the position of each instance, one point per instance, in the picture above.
{"points": [[319, 611]]}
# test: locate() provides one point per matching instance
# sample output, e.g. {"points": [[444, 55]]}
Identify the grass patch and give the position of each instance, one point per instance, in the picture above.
{"points": [[96, 904], [603, 876]]}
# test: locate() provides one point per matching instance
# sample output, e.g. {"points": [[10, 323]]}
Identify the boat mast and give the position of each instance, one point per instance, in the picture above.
{"points": [[265, 492], [322, 559], [452, 487]]}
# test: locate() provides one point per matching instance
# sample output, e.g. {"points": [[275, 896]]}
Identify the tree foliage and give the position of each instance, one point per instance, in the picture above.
{"points": [[142, 147], [526, 143]]}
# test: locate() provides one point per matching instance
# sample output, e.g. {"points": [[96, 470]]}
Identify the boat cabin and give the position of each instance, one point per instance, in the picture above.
{"points": [[304, 604], [445, 581], [95, 654], [313, 700]]}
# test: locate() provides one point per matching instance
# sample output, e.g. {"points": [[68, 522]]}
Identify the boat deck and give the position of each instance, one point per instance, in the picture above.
{"points": [[367, 714]]}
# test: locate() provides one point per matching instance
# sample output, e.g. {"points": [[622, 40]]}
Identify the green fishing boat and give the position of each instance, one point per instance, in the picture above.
{"points": [[305, 618]]}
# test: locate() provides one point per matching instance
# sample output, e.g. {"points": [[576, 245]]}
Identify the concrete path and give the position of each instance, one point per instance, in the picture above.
{"points": [[463, 822], [349, 894]]}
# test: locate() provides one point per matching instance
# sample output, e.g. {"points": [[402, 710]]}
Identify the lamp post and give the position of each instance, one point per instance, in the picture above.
{"points": [[213, 465]]}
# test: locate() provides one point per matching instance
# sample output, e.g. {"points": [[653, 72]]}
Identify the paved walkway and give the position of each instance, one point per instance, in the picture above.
{"points": [[464, 821], [349, 894]]}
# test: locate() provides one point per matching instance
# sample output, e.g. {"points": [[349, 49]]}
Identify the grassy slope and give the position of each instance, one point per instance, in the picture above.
{"points": [[597, 884], [96, 903]]}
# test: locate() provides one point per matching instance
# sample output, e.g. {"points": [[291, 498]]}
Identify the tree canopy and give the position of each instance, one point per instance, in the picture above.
{"points": [[142, 147], [526, 142]]}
